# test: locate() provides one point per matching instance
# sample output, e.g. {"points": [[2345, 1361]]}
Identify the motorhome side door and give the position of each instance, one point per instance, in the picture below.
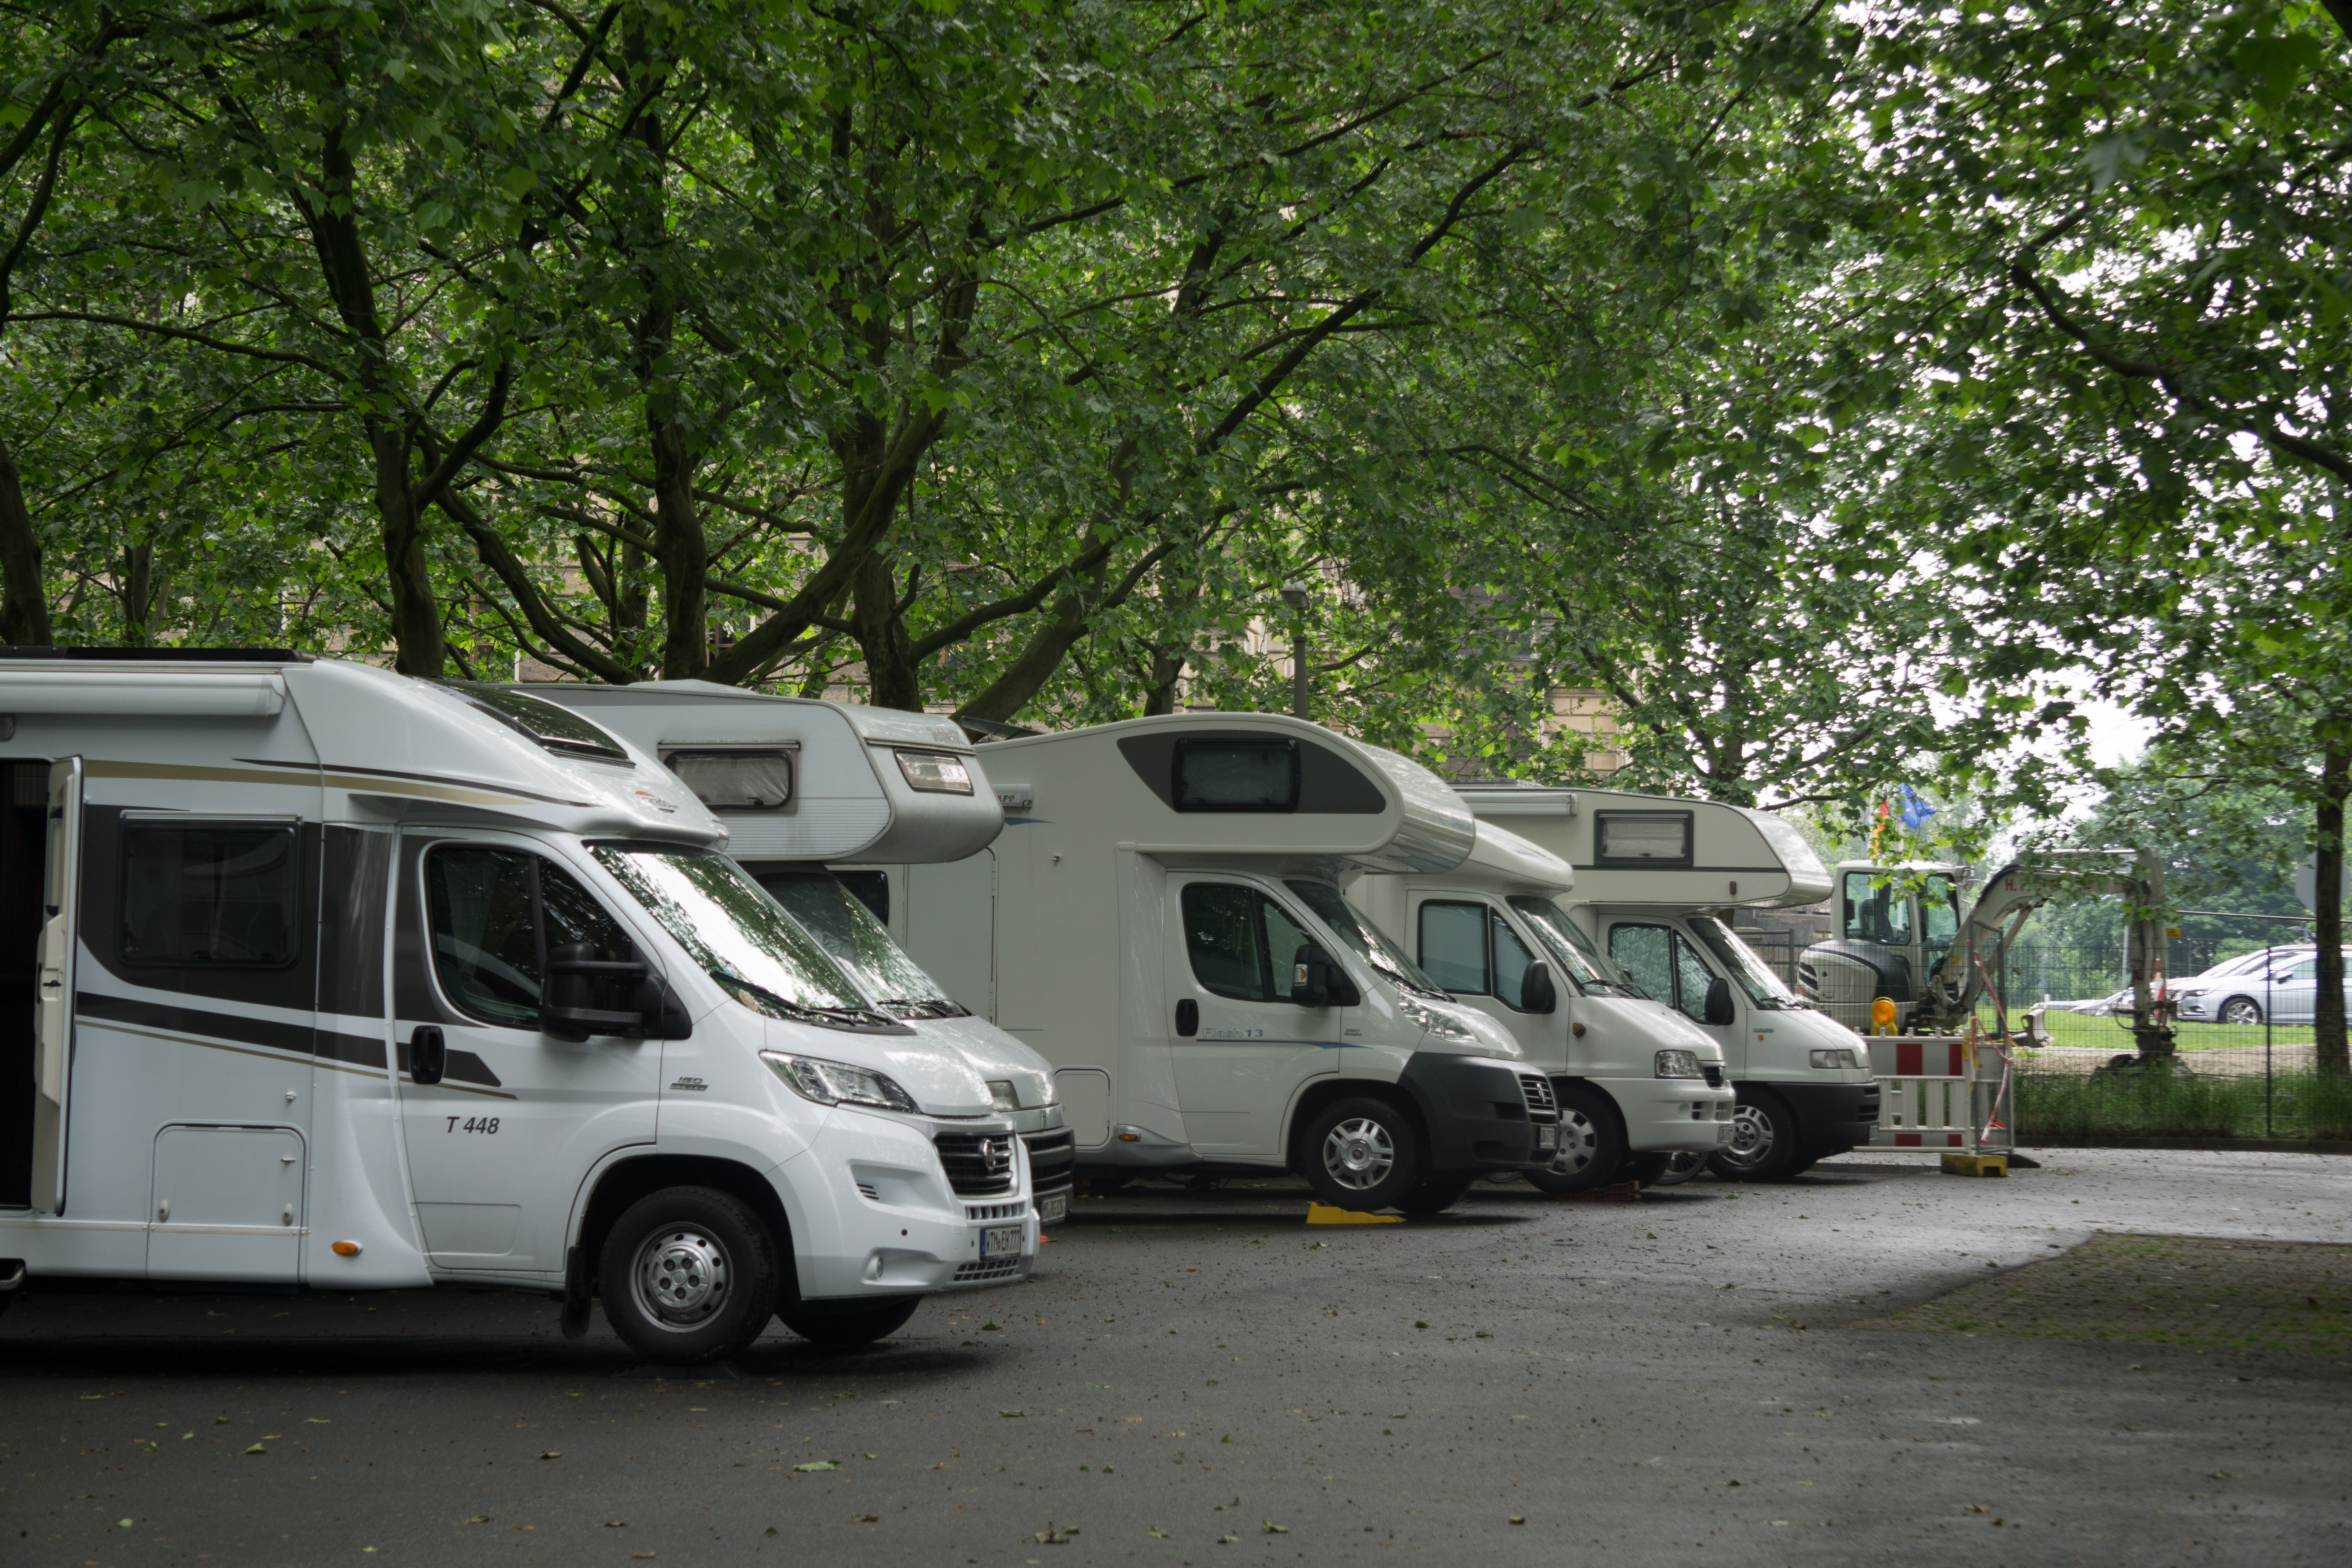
{"points": [[1240, 1045], [53, 991], [497, 1147]]}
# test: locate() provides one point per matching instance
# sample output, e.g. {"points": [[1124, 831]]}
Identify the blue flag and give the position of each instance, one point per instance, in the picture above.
{"points": [[1916, 810]]}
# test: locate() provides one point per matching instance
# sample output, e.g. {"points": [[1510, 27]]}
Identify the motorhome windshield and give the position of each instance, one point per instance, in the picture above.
{"points": [[1569, 948], [740, 935], [1372, 944], [1747, 966], [860, 943]]}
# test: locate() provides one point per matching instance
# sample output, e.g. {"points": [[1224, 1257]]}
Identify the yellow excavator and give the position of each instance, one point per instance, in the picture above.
{"points": [[1902, 936]]}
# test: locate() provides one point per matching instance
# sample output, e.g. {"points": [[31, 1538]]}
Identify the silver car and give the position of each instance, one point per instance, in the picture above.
{"points": [[2286, 990]]}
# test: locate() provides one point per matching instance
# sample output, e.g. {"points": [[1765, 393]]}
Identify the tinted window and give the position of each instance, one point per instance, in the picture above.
{"points": [[216, 897], [1227, 944], [1664, 964], [1939, 912], [1453, 946], [831, 911], [736, 781], [1511, 961], [497, 914], [1235, 776], [1881, 915], [1642, 838], [559, 729], [1326, 903]]}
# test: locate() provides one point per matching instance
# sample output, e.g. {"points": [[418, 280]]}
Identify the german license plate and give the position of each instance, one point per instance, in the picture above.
{"points": [[1723, 1132], [1053, 1210], [1000, 1241], [1547, 1139]]}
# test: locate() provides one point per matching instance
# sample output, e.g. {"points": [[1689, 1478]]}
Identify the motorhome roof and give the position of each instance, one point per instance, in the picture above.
{"points": [[378, 743], [1229, 785], [1504, 861], [159, 655], [836, 782], [1631, 847]]}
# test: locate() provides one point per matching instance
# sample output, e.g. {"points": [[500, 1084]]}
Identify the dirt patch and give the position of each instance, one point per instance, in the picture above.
{"points": [[2160, 1289]]}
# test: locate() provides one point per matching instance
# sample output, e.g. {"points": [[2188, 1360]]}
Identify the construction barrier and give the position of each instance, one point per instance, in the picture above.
{"points": [[1943, 1092]]}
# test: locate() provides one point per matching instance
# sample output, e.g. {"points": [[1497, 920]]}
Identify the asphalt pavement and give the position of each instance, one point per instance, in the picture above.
{"points": [[1702, 1376]]}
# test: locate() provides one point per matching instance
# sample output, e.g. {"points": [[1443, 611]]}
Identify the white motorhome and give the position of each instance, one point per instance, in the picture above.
{"points": [[1636, 1082], [1654, 876], [1163, 921], [348, 981], [803, 785]]}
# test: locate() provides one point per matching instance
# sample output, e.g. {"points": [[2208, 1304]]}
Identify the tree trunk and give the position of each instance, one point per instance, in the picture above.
{"points": [[138, 593], [2327, 1015], [681, 552], [1167, 676], [894, 677], [23, 606], [418, 646]]}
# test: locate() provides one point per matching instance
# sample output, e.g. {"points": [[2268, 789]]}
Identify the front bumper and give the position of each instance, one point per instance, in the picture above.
{"points": [[1477, 1114], [1830, 1116], [1671, 1115], [874, 1213]]}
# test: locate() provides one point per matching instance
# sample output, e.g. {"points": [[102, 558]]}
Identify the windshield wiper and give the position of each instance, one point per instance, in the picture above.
{"points": [[923, 1007]]}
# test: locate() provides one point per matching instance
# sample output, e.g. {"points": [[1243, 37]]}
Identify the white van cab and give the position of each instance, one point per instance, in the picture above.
{"points": [[348, 981], [1637, 1082], [801, 784], [1162, 922], [1654, 876]]}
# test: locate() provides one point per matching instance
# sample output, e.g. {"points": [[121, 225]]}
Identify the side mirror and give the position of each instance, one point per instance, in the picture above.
{"points": [[1718, 1003], [564, 1012], [428, 1054], [1536, 993], [1317, 982]]}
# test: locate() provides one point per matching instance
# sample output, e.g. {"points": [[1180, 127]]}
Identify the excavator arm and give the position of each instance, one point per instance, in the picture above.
{"points": [[2010, 899]]}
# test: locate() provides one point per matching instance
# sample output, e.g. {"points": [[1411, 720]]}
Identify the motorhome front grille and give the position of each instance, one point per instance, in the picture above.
{"points": [[1809, 984], [995, 1211], [979, 1165], [988, 1269], [1714, 1075], [867, 1188], [1541, 1105], [1051, 1156]]}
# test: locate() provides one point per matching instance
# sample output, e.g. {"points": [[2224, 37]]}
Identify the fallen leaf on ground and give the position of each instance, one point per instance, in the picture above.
{"points": [[814, 1465]]}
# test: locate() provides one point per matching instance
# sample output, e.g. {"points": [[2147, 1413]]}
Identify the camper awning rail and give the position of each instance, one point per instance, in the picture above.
{"points": [[122, 693]]}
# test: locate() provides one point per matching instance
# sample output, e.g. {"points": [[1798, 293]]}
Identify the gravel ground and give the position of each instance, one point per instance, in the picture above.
{"points": [[1690, 1379]]}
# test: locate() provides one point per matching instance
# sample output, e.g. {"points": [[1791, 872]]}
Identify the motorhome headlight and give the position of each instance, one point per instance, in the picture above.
{"points": [[935, 772], [1439, 1021], [1678, 1064], [1837, 1058], [1002, 1095], [838, 1083]]}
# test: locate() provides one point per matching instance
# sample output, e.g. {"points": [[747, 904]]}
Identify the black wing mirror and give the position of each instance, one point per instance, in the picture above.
{"points": [[1317, 982], [565, 1013], [1536, 992], [1718, 1003]]}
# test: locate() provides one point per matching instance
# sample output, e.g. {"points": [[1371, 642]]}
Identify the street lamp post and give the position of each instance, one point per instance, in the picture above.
{"points": [[1295, 595]]}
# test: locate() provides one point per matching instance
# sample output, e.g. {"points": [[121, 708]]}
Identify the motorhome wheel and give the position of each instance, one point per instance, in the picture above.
{"points": [[1592, 1146], [842, 1325], [689, 1275], [1362, 1154], [2241, 1010], [1763, 1146], [1434, 1196]]}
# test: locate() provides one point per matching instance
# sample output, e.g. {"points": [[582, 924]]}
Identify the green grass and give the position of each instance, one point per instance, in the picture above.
{"points": [[2109, 1034], [2068, 1108]]}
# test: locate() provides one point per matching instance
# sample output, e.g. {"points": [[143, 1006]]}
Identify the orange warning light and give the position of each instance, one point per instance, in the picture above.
{"points": [[1882, 1013], [347, 1249]]}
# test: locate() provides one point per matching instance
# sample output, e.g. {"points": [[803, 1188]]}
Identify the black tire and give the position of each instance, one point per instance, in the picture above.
{"points": [[1434, 1195], [1680, 1168], [1800, 1165], [2243, 1011], [1592, 1145], [1362, 1154], [1763, 1146], [845, 1325], [1646, 1169], [689, 1275]]}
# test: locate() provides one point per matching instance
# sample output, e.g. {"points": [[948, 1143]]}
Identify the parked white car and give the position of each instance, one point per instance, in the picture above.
{"points": [[2281, 983]]}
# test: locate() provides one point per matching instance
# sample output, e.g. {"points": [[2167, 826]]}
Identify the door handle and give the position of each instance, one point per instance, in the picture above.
{"points": [[428, 1054], [1188, 1018]]}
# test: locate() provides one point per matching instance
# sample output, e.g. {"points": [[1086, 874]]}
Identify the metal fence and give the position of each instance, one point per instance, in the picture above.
{"points": [[2229, 1082]]}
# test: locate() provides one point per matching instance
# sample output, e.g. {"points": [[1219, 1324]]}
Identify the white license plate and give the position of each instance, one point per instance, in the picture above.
{"points": [[1000, 1241], [1547, 1138], [1053, 1210], [1723, 1132]]}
